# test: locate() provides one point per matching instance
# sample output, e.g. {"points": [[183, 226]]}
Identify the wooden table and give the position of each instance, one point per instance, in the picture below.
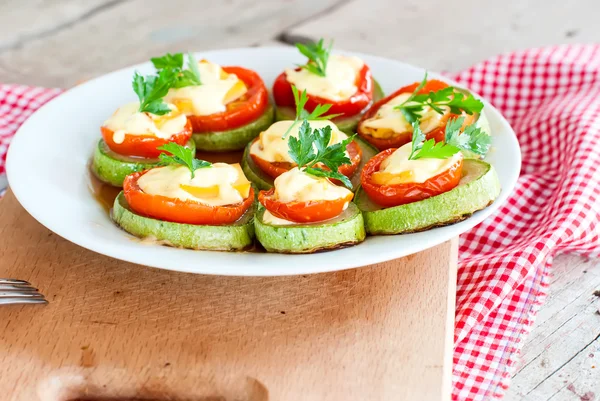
{"points": [[58, 43]]}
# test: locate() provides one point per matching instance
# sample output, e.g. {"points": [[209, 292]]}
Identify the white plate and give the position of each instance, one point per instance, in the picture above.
{"points": [[48, 158]]}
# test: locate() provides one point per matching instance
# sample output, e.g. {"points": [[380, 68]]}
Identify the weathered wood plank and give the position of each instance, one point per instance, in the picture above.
{"points": [[132, 31], [562, 354], [449, 36], [25, 20]]}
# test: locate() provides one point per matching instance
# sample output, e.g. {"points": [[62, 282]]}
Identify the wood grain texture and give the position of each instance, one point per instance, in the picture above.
{"points": [[114, 329], [449, 36], [93, 39], [561, 360]]}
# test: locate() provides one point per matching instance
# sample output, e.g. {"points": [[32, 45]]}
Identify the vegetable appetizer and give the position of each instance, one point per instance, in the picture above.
{"points": [[267, 157], [306, 182], [227, 106], [388, 124], [343, 82], [188, 203]]}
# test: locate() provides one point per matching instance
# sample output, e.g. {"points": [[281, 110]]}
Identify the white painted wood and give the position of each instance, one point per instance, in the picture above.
{"points": [[127, 32], [450, 35], [561, 359]]}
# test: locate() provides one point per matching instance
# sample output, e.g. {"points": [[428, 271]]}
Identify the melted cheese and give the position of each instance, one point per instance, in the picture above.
{"points": [[128, 121], [389, 121], [271, 147], [297, 186], [398, 166], [272, 220], [218, 185], [337, 84], [217, 90]]}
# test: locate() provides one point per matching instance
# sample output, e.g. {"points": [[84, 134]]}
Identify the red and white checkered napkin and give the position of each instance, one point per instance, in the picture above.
{"points": [[551, 96]]}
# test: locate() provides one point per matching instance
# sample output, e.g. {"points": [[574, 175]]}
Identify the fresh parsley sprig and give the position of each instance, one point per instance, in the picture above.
{"points": [[472, 139], [458, 102], [151, 89], [302, 151], [175, 62], [181, 155], [318, 56], [300, 98]]}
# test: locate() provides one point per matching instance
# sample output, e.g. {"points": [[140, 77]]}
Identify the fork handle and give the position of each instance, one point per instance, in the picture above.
{"points": [[13, 301]]}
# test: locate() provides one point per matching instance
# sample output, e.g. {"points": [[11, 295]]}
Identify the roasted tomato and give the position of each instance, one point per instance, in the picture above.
{"points": [[402, 138], [240, 112], [303, 212], [275, 169], [284, 97], [400, 194], [180, 211], [144, 145]]}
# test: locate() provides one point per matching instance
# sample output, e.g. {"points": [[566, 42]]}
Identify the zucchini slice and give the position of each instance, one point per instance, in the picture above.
{"points": [[264, 181], [235, 237], [345, 124], [345, 230], [477, 189], [112, 168], [235, 139]]}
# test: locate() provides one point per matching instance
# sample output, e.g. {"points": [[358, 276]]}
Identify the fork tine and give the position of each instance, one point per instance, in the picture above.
{"points": [[11, 301], [13, 281], [17, 287], [17, 294]]}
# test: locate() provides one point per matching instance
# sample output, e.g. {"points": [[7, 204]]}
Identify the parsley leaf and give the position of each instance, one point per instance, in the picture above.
{"points": [[432, 150], [418, 137], [300, 98], [318, 56], [429, 149], [302, 151], [174, 63], [181, 155], [168, 61], [151, 89], [457, 101], [472, 139]]}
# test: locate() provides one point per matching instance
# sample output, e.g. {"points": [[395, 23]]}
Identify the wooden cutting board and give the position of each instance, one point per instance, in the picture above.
{"points": [[119, 331]]}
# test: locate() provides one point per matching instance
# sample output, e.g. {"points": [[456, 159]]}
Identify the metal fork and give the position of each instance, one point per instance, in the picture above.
{"points": [[14, 291]]}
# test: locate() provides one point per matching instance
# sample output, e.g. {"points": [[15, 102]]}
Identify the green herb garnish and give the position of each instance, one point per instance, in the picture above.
{"points": [[302, 152], [174, 62], [472, 139], [151, 89], [317, 55], [181, 155], [413, 107], [300, 98]]}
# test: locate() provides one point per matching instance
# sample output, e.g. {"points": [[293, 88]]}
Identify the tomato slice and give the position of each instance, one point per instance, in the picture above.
{"points": [[438, 134], [144, 145], [284, 97], [240, 112], [180, 211], [400, 194], [275, 169], [303, 212]]}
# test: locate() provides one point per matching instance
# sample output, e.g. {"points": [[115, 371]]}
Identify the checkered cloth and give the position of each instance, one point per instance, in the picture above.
{"points": [[551, 97]]}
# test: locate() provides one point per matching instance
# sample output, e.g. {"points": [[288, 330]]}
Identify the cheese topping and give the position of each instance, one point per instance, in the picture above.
{"points": [[219, 185], [297, 186], [398, 169], [339, 82], [128, 120], [389, 121], [217, 90], [271, 147]]}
